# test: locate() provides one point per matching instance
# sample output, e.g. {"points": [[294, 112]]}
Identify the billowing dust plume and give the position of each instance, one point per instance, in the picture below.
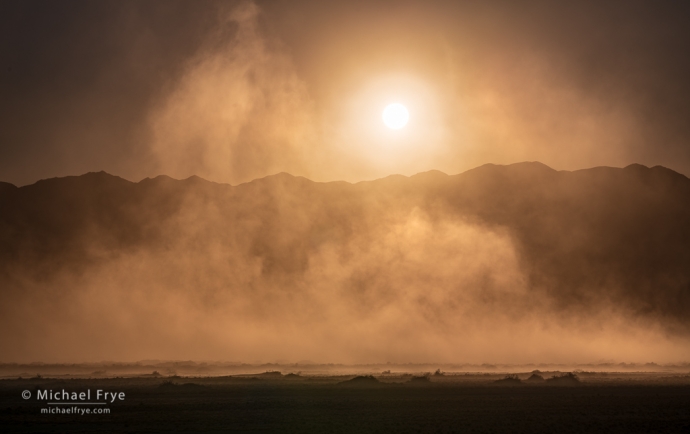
{"points": [[239, 110], [516, 264]]}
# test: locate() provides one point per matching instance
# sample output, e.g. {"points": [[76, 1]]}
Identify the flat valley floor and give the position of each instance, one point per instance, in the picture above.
{"points": [[275, 403]]}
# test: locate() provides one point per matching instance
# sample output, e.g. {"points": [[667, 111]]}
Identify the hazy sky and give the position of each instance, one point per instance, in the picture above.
{"points": [[232, 91]]}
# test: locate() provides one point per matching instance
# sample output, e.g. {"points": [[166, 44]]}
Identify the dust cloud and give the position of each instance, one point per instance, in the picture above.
{"points": [[514, 264], [239, 110], [284, 269]]}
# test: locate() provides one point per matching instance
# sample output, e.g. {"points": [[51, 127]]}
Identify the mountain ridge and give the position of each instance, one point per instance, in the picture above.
{"points": [[428, 173], [506, 242]]}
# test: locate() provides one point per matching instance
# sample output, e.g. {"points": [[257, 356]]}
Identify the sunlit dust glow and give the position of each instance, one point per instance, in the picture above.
{"points": [[395, 116], [361, 134]]}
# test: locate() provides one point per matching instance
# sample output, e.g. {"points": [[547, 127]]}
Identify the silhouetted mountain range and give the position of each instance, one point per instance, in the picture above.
{"points": [[620, 236]]}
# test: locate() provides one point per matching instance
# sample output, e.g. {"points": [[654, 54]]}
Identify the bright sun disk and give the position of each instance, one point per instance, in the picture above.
{"points": [[395, 116]]}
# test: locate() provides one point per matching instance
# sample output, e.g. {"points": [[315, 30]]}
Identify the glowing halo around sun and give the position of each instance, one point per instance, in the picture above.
{"points": [[395, 116]]}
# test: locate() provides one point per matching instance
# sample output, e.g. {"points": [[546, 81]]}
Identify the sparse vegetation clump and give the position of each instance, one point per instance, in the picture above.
{"points": [[420, 379], [567, 379], [361, 380], [535, 378], [167, 384], [509, 380]]}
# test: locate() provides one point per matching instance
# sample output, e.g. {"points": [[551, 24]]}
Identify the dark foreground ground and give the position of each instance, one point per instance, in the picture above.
{"points": [[294, 404]]}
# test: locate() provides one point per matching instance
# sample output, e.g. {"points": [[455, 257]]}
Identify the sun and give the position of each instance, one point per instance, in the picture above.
{"points": [[395, 116]]}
